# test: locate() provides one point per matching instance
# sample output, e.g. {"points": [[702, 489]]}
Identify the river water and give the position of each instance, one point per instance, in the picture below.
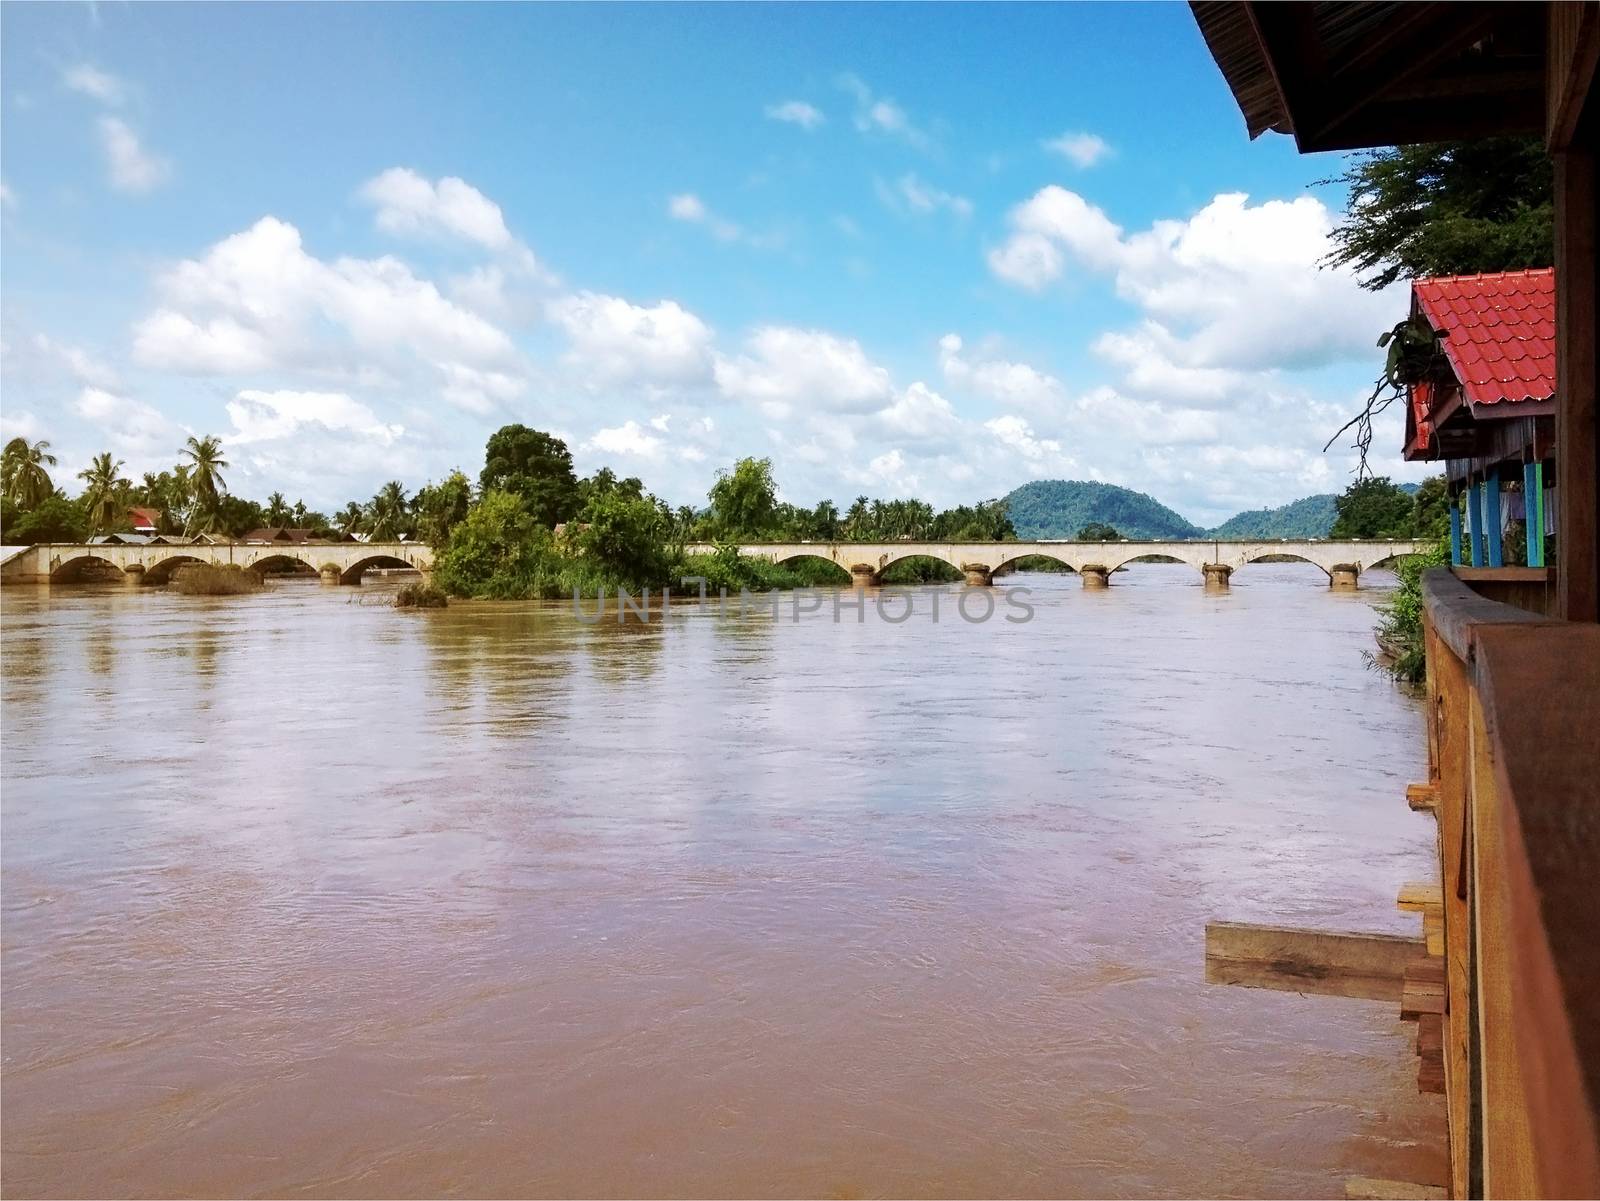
{"points": [[304, 895]]}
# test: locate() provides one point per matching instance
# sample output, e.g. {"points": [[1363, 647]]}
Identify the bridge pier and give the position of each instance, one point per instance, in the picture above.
{"points": [[1094, 576], [329, 575], [1216, 576], [978, 576], [864, 575], [133, 575], [1344, 577]]}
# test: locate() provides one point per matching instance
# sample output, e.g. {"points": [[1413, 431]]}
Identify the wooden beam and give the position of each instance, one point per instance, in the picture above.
{"points": [[1577, 371], [1574, 53], [1420, 896], [1325, 962], [1368, 1188], [1423, 797]]}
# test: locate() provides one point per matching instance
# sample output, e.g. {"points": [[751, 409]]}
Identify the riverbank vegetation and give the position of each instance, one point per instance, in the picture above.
{"points": [[206, 579]]}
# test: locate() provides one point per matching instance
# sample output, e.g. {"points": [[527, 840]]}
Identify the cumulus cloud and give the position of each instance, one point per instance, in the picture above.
{"points": [[89, 80], [629, 439], [133, 430], [257, 301], [615, 341], [130, 167], [259, 416], [1235, 289], [1081, 149], [408, 204], [1014, 385], [796, 112], [920, 414], [783, 367]]}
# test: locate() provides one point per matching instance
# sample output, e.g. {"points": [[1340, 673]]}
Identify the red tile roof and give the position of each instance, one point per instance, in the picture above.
{"points": [[1502, 332]]}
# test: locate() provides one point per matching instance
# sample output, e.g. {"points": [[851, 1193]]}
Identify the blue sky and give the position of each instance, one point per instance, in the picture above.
{"points": [[931, 250]]}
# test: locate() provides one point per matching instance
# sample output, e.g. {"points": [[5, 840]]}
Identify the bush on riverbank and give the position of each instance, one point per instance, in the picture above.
{"points": [[207, 579], [420, 596], [1400, 629]]}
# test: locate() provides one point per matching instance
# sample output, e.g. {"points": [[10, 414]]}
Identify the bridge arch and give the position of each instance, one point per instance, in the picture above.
{"points": [[819, 554], [1128, 552], [277, 561], [1012, 560], [161, 571], [1267, 552], [353, 573], [924, 551], [74, 568]]}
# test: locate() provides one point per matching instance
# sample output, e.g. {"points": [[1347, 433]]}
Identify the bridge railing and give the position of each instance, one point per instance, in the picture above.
{"points": [[1514, 760]]}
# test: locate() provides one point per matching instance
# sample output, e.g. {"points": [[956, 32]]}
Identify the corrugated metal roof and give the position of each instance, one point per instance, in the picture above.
{"points": [[1501, 329]]}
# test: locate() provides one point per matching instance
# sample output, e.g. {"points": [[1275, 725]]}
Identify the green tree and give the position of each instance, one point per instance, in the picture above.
{"points": [[352, 518], [387, 514], [278, 511], [103, 492], [54, 519], [440, 506], [626, 537], [1430, 509], [1446, 208], [205, 481], [1099, 531], [744, 500], [497, 550], [535, 466], [23, 478], [1372, 508]]}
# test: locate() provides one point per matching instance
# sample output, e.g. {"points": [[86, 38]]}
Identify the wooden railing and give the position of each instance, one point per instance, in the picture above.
{"points": [[1514, 759]]}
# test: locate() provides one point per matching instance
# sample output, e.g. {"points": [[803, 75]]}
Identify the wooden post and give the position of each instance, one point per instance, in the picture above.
{"points": [[1577, 369], [1533, 511], [1491, 518], [1475, 533], [1455, 531]]}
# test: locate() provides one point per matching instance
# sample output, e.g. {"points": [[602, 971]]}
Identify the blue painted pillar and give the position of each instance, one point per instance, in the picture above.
{"points": [[1533, 507], [1491, 517], [1455, 529], [1475, 544]]}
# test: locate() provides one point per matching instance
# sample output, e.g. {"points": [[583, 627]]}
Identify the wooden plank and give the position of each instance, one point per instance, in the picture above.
{"points": [[1433, 933], [1420, 897], [1325, 962], [1577, 448], [1422, 797], [1455, 611], [1423, 989], [1368, 1188], [1430, 1074], [1490, 575], [1430, 1034]]}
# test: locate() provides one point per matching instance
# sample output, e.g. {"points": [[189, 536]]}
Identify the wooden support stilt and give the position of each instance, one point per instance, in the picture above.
{"points": [[1327, 962], [1367, 1188]]}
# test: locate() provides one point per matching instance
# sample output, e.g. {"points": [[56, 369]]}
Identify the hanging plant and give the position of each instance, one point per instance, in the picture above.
{"points": [[1415, 354]]}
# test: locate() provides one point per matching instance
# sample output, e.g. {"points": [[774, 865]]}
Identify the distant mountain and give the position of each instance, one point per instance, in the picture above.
{"points": [[1060, 508], [1309, 517]]}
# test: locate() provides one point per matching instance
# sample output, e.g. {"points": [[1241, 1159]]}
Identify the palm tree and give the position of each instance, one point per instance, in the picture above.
{"points": [[350, 517], [103, 489], [205, 474], [277, 509], [23, 478], [388, 511]]}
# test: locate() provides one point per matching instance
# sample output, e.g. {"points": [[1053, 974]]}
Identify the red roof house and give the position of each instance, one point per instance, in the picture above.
{"points": [[1497, 332], [144, 520]]}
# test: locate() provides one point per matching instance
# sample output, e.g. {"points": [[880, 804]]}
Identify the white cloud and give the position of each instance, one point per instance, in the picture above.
{"points": [[1014, 385], [880, 115], [614, 341], [796, 112], [258, 301], [784, 366], [82, 366], [134, 431], [1016, 434], [94, 83], [260, 416], [410, 205], [690, 208], [629, 438], [910, 194], [132, 168], [8, 198], [921, 414], [1082, 149], [1050, 222]]}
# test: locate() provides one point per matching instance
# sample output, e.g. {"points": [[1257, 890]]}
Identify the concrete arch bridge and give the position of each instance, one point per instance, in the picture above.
{"points": [[1343, 561], [154, 563]]}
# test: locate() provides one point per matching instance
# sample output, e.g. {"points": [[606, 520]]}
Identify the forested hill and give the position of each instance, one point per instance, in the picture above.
{"points": [[1308, 517], [1060, 508]]}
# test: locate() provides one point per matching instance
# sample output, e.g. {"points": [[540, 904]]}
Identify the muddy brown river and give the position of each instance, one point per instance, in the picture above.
{"points": [[307, 896]]}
